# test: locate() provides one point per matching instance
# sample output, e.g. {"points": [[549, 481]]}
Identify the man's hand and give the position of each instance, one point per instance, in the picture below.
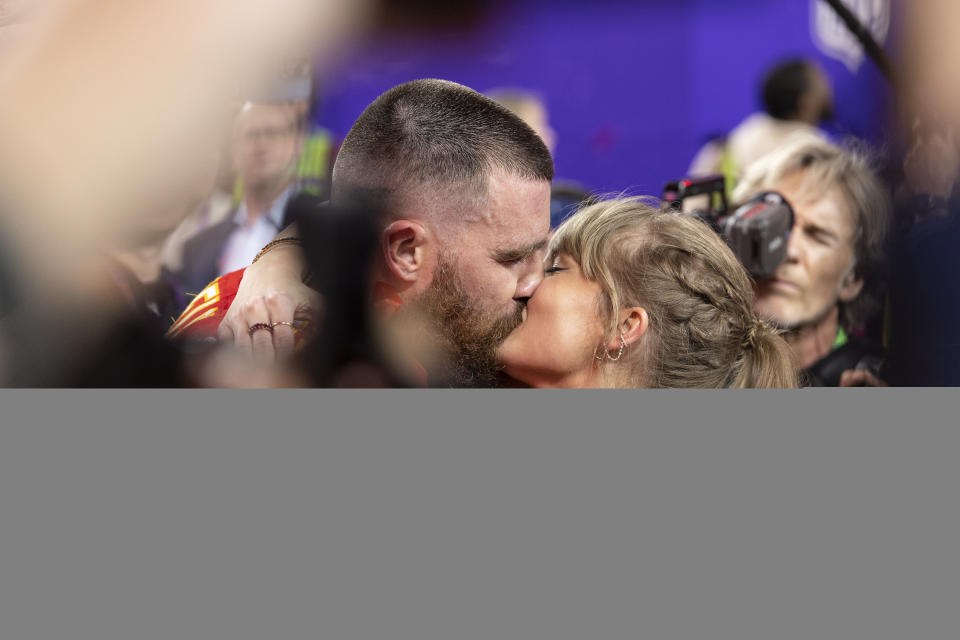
{"points": [[271, 292], [860, 378]]}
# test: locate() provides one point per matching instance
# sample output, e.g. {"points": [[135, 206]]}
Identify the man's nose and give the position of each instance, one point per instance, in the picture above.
{"points": [[530, 280]]}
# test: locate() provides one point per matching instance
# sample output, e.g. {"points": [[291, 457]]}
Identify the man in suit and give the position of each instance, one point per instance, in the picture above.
{"points": [[267, 142]]}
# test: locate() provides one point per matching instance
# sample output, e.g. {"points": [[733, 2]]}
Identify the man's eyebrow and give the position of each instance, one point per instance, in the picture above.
{"points": [[519, 253]]}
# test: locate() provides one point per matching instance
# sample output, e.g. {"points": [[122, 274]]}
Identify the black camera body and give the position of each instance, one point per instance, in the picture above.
{"points": [[757, 232]]}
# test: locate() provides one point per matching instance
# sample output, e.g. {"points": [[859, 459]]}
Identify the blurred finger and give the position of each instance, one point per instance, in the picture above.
{"points": [[259, 344], [284, 339], [225, 333], [237, 327], [282, 310], [851, 378], [261, 337], [873, 380]]}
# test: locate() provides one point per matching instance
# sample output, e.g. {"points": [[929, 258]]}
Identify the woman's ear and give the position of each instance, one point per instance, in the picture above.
{"points": [[403, 244], [633, 324]]}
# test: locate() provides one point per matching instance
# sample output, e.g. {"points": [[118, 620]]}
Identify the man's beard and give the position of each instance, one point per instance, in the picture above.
{"points": [[471, 335]]}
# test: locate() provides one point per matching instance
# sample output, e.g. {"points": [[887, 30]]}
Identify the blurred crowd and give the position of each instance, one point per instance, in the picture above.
{"points": [[184, 221]]}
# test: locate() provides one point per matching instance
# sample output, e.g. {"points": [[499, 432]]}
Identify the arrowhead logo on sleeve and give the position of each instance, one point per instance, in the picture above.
{"points": [[205, 312]]}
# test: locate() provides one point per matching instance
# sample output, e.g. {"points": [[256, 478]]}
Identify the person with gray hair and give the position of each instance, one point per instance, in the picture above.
{"points": [[831, 280]]}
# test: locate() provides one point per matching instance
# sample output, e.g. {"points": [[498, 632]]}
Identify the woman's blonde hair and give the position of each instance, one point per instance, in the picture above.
{"points": [[702, 331]]}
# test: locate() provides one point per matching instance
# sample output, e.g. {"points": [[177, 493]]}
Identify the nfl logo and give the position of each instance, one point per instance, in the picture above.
{"points": [[833, 38]]}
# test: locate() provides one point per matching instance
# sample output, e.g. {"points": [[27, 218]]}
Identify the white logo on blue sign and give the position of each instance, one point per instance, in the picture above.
{"points": [[834, 39]]}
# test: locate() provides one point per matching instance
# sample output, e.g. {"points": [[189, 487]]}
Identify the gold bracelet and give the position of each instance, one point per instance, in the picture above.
{"points": [[277, 243]]}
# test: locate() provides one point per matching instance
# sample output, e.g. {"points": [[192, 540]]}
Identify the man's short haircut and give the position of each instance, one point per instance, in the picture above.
{"points": [[437, 133], [783, 86], [828, 166]]}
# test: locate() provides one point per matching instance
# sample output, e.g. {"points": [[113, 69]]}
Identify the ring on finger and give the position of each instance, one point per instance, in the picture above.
{"points": [[257, 327], [284, 323]]}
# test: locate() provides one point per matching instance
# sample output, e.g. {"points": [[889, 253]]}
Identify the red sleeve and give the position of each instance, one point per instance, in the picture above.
{"points": [[203, 315]]}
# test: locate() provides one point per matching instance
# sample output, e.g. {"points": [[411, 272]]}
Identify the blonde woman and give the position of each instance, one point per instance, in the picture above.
{"points": [[636, 297]]}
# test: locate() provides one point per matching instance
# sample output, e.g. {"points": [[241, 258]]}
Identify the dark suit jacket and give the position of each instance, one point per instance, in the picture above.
{"points": [[201, 255]]}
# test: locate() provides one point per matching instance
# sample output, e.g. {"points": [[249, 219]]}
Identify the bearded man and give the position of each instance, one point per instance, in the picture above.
{"points": [[464, 186]]}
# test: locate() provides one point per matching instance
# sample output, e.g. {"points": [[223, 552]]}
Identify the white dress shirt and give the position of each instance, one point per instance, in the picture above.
{"points": [[245, 242]]}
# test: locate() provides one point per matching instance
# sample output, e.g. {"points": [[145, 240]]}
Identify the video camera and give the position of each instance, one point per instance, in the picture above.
{"points": [[757, 231]]}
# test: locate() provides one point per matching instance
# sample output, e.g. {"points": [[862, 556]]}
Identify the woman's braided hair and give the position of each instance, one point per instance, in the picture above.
{"points": [[702, 330]]}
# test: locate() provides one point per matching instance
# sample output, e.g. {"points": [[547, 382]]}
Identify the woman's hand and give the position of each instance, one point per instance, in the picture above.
{"points": [[271, 292]]}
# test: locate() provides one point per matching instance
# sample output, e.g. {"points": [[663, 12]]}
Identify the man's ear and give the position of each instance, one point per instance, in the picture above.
{"points": [[403, 243], [850, 286], [633, 324]]}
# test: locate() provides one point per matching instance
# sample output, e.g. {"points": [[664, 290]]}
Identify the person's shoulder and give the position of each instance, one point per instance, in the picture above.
{"points": [[202, 317], [215, 230], [762, 126], [202, 247], [754, 132], [752, 124]]}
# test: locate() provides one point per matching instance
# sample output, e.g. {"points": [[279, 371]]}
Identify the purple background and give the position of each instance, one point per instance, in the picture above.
{"points": [[633, 88]]}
